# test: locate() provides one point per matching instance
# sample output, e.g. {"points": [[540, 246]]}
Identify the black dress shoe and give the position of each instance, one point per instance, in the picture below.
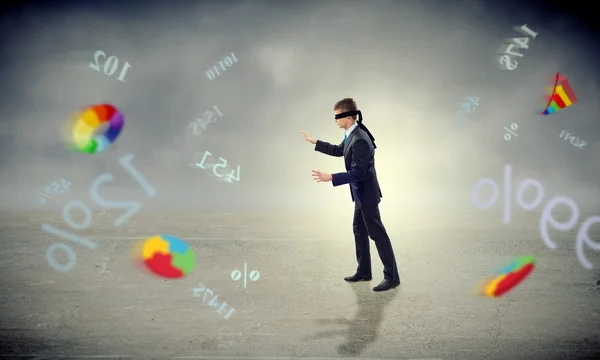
{"points": [[386, 284], [358, 277]]}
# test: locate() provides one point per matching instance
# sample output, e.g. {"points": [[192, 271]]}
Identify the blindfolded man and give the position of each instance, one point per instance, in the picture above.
{"points": [[358, 150]]}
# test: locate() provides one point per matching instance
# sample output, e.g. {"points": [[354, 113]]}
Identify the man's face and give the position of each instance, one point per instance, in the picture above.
{"points": [[343, 123]]}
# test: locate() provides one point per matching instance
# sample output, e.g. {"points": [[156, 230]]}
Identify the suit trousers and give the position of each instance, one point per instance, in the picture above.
{"points": [[367, 223]]}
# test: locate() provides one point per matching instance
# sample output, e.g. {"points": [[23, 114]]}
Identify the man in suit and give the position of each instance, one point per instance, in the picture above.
{"points": [[358, 150]]}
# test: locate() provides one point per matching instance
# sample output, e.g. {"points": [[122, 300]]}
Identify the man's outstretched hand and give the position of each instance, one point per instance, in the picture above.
{"points": [[321, 176], [308, 138]]}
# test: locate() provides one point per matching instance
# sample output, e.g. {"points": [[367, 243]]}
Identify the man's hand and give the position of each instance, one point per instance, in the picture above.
{"points": [[308, 138], [321, 176]]}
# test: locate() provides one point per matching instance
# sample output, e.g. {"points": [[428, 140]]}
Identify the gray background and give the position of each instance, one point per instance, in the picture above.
{"points": [[409, 65]]}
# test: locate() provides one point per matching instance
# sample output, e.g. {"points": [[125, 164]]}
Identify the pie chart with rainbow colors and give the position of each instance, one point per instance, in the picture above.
{"points": [[167, 256], [508, 277], [94, 128]]}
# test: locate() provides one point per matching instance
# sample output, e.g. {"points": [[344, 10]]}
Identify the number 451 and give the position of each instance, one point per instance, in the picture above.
{"points": [[222, 164]]}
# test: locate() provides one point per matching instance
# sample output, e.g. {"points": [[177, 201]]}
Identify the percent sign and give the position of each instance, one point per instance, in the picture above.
{"points": [[133, 207], [236, 275], [546, 217], [512, 126]]}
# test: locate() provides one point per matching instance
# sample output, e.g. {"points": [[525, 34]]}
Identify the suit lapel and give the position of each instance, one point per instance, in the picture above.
{"points": [[349, 140]]}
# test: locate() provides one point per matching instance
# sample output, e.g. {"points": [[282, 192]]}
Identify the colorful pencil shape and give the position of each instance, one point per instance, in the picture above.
{"points": [[559, 101], [563, 96], [567, 87]]}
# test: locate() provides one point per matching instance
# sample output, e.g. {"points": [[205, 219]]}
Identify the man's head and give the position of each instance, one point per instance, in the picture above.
{"points": [[347, 104]]}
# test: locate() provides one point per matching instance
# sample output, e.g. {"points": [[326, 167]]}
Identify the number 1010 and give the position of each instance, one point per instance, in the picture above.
{"points": [[227, 60]]}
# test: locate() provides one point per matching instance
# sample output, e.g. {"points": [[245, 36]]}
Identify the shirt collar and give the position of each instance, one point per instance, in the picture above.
{"points": [[350, 129]]}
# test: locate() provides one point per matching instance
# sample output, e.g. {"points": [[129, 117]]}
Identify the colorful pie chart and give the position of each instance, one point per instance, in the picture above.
{"points": [[508, 277], [94, 128], [166, 256]]}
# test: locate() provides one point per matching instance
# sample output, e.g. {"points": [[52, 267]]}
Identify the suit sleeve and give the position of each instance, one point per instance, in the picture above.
{"points": [[329, 149], [361, 154]]}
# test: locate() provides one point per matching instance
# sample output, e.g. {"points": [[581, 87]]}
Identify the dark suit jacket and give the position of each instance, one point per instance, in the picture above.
{"points": [[359, 158]]}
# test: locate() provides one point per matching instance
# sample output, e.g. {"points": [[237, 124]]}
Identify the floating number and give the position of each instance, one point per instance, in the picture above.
{"points": [[110, 66], [474, 100], [125, 161], [583, 239], [223, 305], [521, 42], [194, 127], [206, 294], [199, 290], [224, 63], [115, 64], [210, 117], [70, 254], [220, 165], [65, 183], [527, 31], [96, 66], [56, 187], [468, 107], [210, 73], [67, 216], [547, 218], [214, 302], [217, 110], [231, 176], [195, 156], [201, 164], [231, 311], [508, 63], [509, 52], [133, 206], [124, 71]]}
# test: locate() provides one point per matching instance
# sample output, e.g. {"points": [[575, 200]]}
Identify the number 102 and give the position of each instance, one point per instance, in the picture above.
{"points": [[109, 69]]}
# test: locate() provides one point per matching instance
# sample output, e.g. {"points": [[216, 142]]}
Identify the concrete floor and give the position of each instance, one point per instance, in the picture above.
{"points": [[300, 307]]}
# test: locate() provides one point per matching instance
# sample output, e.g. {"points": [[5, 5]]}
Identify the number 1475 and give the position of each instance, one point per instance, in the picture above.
{"points": [[214, 302]]}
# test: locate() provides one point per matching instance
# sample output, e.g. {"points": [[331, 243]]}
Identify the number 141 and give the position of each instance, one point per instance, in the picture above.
{"points": [[521, 43]]}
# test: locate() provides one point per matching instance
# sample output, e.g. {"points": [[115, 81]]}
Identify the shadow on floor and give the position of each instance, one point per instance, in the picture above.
{"points": [[363, 329]]}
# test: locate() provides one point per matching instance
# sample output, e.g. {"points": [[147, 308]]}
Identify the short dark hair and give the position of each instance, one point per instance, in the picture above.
{"points": [[346, 104]]}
